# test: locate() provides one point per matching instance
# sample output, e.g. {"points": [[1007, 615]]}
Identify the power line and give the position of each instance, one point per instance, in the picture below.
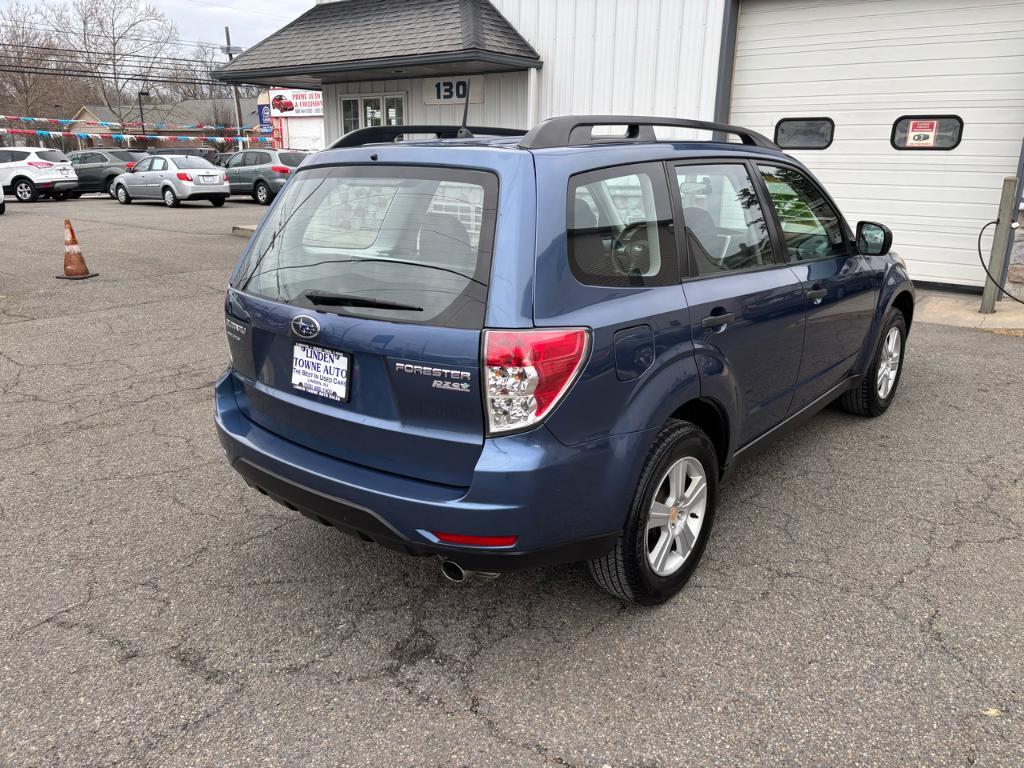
{"points": [[58, 66], [54, 30], [134, 77], [63, 51]]}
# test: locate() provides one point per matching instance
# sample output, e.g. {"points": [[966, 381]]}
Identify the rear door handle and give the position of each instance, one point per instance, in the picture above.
{"points": [[715, 321], [817, 294]]}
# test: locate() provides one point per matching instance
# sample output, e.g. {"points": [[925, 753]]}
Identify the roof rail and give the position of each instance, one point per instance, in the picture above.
{"points": [[577, 130], [379, 134]]}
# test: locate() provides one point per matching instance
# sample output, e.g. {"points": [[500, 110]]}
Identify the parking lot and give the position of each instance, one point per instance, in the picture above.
{"points": [[859, 603]]}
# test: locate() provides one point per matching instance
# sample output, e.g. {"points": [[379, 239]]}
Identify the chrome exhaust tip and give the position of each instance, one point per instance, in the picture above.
{"points": [[457, 574]]}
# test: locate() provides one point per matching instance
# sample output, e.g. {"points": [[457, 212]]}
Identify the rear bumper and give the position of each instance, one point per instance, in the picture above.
{"points": [[61, 184], [188, 191], [563, 503]]}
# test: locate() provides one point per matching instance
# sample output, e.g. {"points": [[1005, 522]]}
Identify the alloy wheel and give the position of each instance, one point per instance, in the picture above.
{"points": [[676, 516], [889, 363], [23, 191]]}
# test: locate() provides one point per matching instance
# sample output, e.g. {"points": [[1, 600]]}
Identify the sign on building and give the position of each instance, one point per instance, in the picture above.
{"points": [[452, 90], [294, 103]]}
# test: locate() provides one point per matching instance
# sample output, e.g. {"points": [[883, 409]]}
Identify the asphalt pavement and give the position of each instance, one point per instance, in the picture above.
{"points": [[861, 601]]}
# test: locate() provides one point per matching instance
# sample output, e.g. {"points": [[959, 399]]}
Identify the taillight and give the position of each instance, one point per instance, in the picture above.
{"points": [[40, 164], [529, 372], [184, 176], [225, 178], [475, 541], [280, 169]]}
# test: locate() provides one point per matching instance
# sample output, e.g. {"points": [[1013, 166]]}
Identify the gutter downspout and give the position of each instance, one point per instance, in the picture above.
{"points": [[726, 60], [531, 98]]}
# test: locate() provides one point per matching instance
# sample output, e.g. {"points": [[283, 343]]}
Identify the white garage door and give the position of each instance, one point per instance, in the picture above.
{"points": [[866, 64]]}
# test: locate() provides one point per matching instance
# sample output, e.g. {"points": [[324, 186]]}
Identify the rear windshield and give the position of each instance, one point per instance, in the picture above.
{"points": [[128, 157], [52, 156], [192, 162], [416, 236], [291, 159]]}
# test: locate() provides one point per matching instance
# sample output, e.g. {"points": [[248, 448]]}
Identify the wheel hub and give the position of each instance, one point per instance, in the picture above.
{"points": [[676, 516]]}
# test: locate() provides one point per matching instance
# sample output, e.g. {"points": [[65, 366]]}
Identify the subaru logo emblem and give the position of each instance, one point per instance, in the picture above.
{"points": [[305, 327]]}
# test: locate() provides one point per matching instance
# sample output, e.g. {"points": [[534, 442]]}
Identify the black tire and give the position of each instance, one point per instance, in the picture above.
{"points": [[121, 195], [108, 186], [865, 399], [170, 198], [25, 191], [72, 195], [218, 202], [625, 571], [261, 193], [58, 195]]}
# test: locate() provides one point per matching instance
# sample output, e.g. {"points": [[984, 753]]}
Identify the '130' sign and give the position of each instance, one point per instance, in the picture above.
{"points": [[454, 90]]}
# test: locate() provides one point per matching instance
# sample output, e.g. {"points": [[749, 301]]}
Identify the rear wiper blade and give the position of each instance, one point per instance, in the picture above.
{"points": [[328, 299]]}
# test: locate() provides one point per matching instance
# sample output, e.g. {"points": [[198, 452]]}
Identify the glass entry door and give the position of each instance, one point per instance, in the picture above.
{"points": [[370, 111]]}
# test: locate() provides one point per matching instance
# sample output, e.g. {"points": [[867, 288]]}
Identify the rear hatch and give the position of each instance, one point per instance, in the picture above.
{"points": [[355, 318], [52, 165]]}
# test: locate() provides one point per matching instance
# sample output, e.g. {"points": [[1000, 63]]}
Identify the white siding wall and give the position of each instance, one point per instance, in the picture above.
{"points": [[647, 57], [866, 63]]}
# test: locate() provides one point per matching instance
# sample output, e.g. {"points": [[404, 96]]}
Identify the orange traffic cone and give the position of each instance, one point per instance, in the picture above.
{"points": [[74, 264]]}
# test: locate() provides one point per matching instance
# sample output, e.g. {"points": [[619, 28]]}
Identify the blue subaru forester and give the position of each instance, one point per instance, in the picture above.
{"points": [[514, 349]]}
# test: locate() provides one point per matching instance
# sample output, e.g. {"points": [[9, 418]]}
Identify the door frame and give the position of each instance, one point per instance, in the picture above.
{"points": [[360, 98]]}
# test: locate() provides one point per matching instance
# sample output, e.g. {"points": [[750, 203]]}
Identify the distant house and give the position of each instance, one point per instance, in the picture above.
{"points": [[193, 118]]}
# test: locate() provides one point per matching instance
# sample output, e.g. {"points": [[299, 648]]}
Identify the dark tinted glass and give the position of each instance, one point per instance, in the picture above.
{"points": [[291, 159], [52, 156], [917, 133], [416, 236], [804, 132], [124, 156], [619, 228], [17, 156]]}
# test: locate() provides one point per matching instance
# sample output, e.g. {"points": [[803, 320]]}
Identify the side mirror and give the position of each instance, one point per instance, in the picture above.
{"points": [[873, 239]]}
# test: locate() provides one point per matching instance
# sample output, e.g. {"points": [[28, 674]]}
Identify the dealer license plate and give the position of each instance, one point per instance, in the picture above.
{"points": [[321, 371]]}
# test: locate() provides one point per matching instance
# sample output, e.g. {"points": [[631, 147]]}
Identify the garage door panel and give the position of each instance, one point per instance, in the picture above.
{"points": [[864, 64]]}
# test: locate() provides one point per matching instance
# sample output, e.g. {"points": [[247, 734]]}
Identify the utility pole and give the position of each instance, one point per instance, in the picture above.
{"points": [[238, 105]]}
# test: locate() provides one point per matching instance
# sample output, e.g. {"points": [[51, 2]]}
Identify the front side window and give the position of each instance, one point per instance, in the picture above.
{"points": [[144, 165], [725, 227], [927, 132], [811, 227], [418, 237], [804, 132], [620, 228]]}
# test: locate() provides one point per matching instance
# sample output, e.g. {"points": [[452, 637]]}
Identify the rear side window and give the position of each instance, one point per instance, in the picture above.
{"points": [[17, 157], [291, 159], [52, 156], [620, 228], [725, 226], [420, 237], [804, 132], [927, 132]]}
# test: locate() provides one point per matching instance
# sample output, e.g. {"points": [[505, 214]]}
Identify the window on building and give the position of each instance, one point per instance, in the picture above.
{"points": [[349, 115], [372, 110], [725, 226], [394, 110], [620, 228], [804, 132], [917, 132], [810, 226]]}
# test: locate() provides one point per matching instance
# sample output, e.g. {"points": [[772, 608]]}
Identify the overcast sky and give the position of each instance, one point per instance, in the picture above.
{"points": [[250, 20]]}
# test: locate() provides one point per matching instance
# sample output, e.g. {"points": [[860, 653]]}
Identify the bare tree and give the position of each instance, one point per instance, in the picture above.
{"points": [[25, 86], [124, 44]]}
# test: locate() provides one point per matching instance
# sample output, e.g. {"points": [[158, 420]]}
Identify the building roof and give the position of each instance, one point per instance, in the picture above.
{"points": [[188, 112], [350, 40]]}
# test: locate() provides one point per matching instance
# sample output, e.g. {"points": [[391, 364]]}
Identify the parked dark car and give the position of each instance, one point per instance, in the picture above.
{"points": [[541, 348], [98, 167], [261, 173], [208, 154]]}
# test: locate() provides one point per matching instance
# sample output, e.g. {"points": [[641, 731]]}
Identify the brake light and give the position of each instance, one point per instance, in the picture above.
{"points": [[529, 372], [280, 169], [225, 178], [184, 176], [40, 164]]}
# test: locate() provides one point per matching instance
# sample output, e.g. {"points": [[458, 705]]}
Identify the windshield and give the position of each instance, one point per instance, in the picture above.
{"points": [[420, 237], [193, 162]]}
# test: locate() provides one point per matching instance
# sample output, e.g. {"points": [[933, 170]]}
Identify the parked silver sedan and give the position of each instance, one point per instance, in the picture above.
{"points": [[173, 178]]}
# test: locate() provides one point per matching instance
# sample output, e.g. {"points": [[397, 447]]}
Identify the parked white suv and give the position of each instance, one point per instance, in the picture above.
{"points": [[29, 173]]}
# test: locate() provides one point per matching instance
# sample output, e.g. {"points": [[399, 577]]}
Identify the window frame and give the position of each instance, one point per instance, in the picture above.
{"points": [[691, 272], [671, 271], [848, 237], [901, 118], [831, 136]]}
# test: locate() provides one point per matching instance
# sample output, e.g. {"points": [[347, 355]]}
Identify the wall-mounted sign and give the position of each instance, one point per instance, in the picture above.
{"points": [[922, 133], [264, 112], [452, 90], [293, 103]]}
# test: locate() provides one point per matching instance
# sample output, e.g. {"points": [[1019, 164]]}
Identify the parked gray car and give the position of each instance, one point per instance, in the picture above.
{"points": [[173, 178], [261, 172], [98, 167]]}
